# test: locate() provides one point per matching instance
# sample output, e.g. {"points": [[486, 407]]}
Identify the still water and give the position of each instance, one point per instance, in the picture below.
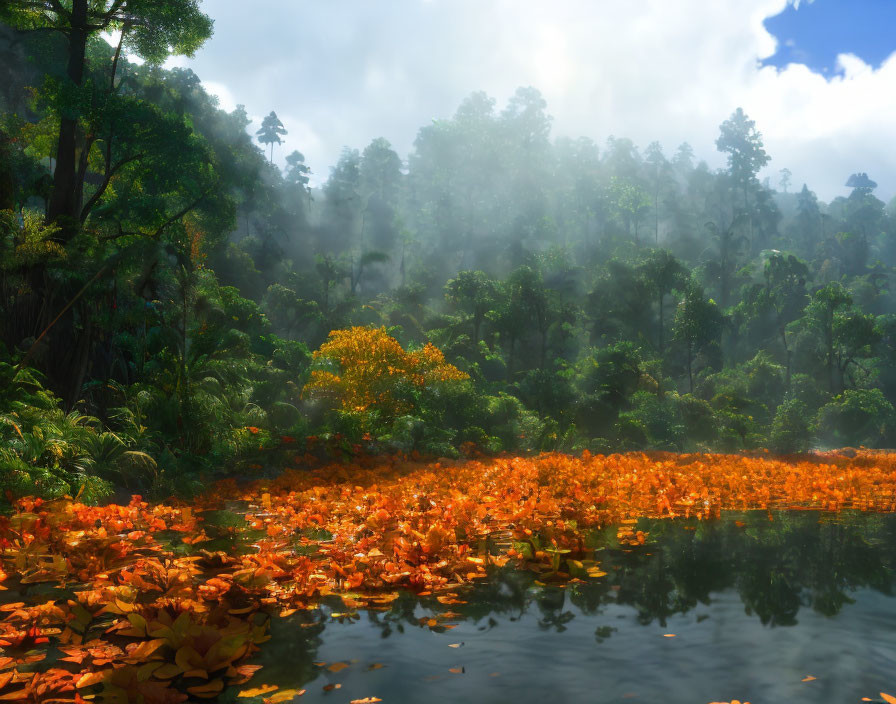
{"points": [[745, 608]]}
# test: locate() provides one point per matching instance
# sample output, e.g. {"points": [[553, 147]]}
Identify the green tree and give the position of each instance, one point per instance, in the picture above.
{"points": [[824, 318], [739, 139], [785, 295], [270, 131], [698, 324], [662, 274], [791, 427], [150, 29], [475, 294], [297, 172], [659, 171]]}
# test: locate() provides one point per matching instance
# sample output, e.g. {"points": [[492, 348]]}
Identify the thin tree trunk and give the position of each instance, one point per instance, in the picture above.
{"points": [[690, 372], [80, 366]]}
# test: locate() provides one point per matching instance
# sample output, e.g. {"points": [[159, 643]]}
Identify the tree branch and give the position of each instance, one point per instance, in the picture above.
{"points": [[115, 60], [177, 216], [85, 211]]}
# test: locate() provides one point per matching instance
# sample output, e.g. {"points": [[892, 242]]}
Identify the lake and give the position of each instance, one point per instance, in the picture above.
{"points": [[789, 606]]}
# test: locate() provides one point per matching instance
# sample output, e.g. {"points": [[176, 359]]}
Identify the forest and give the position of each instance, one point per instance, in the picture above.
{"points": [[174, 304], [176, 309]]}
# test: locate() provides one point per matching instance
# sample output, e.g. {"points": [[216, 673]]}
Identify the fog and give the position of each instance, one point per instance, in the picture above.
{"points": [[345, 73]]}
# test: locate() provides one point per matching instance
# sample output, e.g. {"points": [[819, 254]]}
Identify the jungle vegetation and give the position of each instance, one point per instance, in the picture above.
{"points": [[174, 305]]}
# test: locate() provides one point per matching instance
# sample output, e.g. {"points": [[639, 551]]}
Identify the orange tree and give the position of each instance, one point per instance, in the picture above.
{"points": [[364, 370]]}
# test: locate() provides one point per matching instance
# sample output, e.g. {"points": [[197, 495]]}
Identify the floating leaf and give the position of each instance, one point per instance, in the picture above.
{"points": [[284, 696], [258, 691]]}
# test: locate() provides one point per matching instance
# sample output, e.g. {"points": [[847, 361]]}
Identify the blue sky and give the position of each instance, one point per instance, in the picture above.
{"points": [[815, 33]]}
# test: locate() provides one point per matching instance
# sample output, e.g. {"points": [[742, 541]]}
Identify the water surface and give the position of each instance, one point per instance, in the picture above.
{"points": [[756, 603]]}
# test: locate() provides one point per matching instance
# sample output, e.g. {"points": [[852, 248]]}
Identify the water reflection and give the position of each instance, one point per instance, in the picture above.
{"points": [[778, 567], [795, 560]]}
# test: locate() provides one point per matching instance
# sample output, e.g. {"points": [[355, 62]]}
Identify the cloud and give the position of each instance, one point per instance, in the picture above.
{"points": [[344, 73]]}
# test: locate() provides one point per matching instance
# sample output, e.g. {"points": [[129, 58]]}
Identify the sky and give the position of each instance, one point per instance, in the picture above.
{"points": [[819, 78]]}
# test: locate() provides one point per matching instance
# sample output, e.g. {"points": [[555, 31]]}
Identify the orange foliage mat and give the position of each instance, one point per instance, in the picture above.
{"points": [[142, 611]]}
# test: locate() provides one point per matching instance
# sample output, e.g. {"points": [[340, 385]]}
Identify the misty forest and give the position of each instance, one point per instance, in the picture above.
{"points": [[425, 426]]}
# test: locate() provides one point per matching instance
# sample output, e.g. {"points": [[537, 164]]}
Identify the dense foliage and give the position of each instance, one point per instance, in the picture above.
{"points": [[163, 284]]}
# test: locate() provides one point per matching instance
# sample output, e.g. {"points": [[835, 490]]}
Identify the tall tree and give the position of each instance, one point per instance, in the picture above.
{"points": [[475, 294], [785, 294], [297, 172], [271, 129], [662, 274], [698, 324], [657, 168], [739, 139], [151, 29], [827, 306]]}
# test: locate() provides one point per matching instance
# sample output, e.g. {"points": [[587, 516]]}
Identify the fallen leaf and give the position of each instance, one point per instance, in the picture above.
{"points": [[284, 696], [90, 678], [258, 691]]}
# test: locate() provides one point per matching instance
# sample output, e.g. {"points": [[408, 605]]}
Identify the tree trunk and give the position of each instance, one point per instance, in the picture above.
{"points": [[7, 175], [690, 372], [660, 347], [64, 206], [829, 340], [80, 365], [788, 354]]}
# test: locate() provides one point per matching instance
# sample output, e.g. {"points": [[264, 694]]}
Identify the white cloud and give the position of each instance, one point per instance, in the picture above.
{"points": [[344, 73], [226, 100]]}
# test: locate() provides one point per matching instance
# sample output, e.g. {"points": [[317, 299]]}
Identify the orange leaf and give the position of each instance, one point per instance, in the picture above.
{"points": [[90, 678], [258, 691], [284, 696]]}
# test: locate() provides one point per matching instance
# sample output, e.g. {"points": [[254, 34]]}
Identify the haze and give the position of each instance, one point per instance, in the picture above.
{"points": [[344, 73]]}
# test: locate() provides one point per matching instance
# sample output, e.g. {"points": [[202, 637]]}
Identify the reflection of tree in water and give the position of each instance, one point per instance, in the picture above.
{"points": [[797, 560], [288, 657]]}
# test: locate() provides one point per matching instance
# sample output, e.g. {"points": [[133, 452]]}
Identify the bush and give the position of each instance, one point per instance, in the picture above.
{"points": [[791, 431], [857, 417]]}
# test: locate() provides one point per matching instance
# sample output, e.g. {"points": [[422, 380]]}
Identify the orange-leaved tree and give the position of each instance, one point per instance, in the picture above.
{"points": [[365, 369]]}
